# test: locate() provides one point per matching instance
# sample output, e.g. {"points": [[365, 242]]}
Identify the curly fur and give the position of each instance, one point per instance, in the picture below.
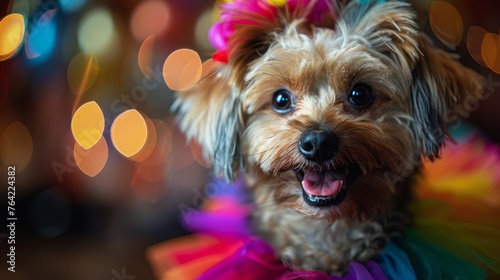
{"points": [[419, 91]]}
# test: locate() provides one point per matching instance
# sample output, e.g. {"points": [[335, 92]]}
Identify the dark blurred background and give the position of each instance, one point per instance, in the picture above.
{"points": [[92, 215]]}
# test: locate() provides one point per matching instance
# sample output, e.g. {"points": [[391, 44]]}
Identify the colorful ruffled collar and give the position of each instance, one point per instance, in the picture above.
{"points": [[443, 243]]}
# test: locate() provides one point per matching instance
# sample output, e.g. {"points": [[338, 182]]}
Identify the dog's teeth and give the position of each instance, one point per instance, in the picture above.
{"points": [[342, 184]]}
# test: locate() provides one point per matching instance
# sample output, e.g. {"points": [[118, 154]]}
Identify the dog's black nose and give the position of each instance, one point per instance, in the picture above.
{"points": [[318, 145]]}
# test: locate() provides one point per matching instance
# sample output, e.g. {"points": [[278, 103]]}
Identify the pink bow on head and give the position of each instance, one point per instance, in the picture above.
{"points": [[220, 33]]}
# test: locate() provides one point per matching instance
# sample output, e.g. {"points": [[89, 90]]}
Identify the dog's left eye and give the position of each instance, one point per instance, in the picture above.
{"points": [[283, 101], [361, 96]]}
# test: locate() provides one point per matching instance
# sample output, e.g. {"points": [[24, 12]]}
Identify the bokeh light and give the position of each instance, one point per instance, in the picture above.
{"points": [[129, 132], [149, 190], [182, 152], [145, 56], [16, 146], [153, 173], [208, 66], [182, 69], [25, 7], [12, 30], [71, 5], [150, 144], [446, 23], [217, 8], [96, 31], [149, 18], [491, 51], [82, 72], [205, 21], [41, 37], [4, 87], [91, 161], [87, 124], [153, 168], [475, 37]]}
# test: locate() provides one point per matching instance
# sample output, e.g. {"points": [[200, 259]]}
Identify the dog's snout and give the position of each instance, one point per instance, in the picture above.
{"points": [[318, 145]]}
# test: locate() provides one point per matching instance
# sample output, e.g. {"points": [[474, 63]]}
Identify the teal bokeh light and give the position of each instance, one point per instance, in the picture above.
{"points": [[41, 37], [71, 5]]}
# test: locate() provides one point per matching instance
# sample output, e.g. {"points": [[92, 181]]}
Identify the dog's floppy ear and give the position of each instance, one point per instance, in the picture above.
{"points": [[210, 112], [387, 28], [442, 91]]}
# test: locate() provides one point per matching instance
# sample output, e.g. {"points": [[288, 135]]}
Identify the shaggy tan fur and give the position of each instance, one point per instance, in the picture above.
{"points": [[418, 91]]}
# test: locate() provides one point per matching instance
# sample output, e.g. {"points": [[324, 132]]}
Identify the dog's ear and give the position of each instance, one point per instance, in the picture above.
{"points": [[442, 91], [388, 29], [210, 113]]}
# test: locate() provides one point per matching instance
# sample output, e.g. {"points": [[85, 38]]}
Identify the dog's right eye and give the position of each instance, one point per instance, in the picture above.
{"points": [[283, 101]]}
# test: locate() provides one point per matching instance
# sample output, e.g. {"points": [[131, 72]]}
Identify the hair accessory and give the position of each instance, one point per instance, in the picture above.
{"points": [[254, 12]]}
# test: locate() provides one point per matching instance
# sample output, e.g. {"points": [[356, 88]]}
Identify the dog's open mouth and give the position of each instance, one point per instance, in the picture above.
{"points": [[327, 187]]}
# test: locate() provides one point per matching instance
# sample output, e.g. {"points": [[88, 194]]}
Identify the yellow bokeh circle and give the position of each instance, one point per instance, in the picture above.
{"points": [[12, 30], [182, 69], [87, 124], [129, 132]]}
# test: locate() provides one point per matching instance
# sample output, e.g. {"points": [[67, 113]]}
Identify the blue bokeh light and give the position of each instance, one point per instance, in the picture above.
{"points": [[71, 5], [41, 38]]}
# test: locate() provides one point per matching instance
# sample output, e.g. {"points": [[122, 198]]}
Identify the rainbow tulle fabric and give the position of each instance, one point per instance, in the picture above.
{"points": [[456, 234]]}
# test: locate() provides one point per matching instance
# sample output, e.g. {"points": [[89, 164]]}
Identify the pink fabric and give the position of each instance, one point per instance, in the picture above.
{"points": [[254, 260]]}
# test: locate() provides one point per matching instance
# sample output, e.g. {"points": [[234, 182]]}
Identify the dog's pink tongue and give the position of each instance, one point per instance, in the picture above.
{"points": [[322, 183]]}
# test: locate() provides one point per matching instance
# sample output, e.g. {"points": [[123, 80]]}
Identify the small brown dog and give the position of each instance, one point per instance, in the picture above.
{"points": [[328, 121]]}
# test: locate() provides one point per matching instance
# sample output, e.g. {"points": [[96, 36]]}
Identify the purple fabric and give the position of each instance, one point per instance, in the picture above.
{"points": [[307, 275], [256, 260], [357, 271], [216, 223], [230, 217], [375, 270]]}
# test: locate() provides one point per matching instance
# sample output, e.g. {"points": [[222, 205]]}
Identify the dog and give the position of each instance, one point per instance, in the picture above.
{"points": [[328, 120]]}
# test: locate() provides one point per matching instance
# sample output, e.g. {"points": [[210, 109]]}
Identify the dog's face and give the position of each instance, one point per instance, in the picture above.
{"points": [[327, 118]]}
